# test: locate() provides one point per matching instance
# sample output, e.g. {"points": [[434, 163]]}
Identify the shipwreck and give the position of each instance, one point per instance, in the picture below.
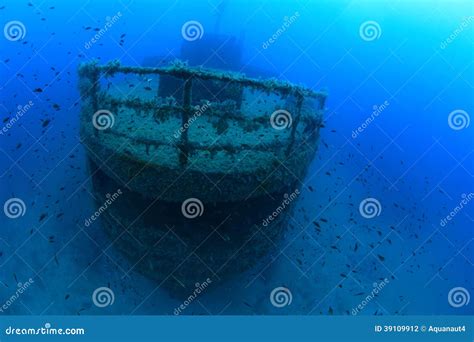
{"points": [[202, 157]]}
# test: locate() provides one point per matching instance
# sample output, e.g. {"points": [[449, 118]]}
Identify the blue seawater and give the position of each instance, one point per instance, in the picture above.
{"points": [[384, 222]]}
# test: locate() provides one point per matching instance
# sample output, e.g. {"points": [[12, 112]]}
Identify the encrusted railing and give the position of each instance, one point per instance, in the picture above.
{"points": [[90, 75]]}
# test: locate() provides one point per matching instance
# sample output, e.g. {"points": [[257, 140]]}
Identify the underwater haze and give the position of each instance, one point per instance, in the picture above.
{"points": [[381, 223]]}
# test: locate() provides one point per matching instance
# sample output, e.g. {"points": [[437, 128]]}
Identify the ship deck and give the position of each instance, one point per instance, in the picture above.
{"points": [[183, 146]]}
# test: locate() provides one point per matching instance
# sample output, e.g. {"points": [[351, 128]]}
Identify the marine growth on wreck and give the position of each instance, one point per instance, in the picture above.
{"points": [[202, 157]]}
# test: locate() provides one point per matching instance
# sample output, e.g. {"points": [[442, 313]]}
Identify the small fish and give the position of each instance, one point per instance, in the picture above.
{"points": [[247, 304]]}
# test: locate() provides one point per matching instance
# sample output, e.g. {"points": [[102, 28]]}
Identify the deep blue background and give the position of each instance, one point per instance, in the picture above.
{"points": [[408, 158]]}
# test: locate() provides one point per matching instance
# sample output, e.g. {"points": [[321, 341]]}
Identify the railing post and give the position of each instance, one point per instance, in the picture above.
{"points": [[299, 104], [184, 146], [94, 79]]}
